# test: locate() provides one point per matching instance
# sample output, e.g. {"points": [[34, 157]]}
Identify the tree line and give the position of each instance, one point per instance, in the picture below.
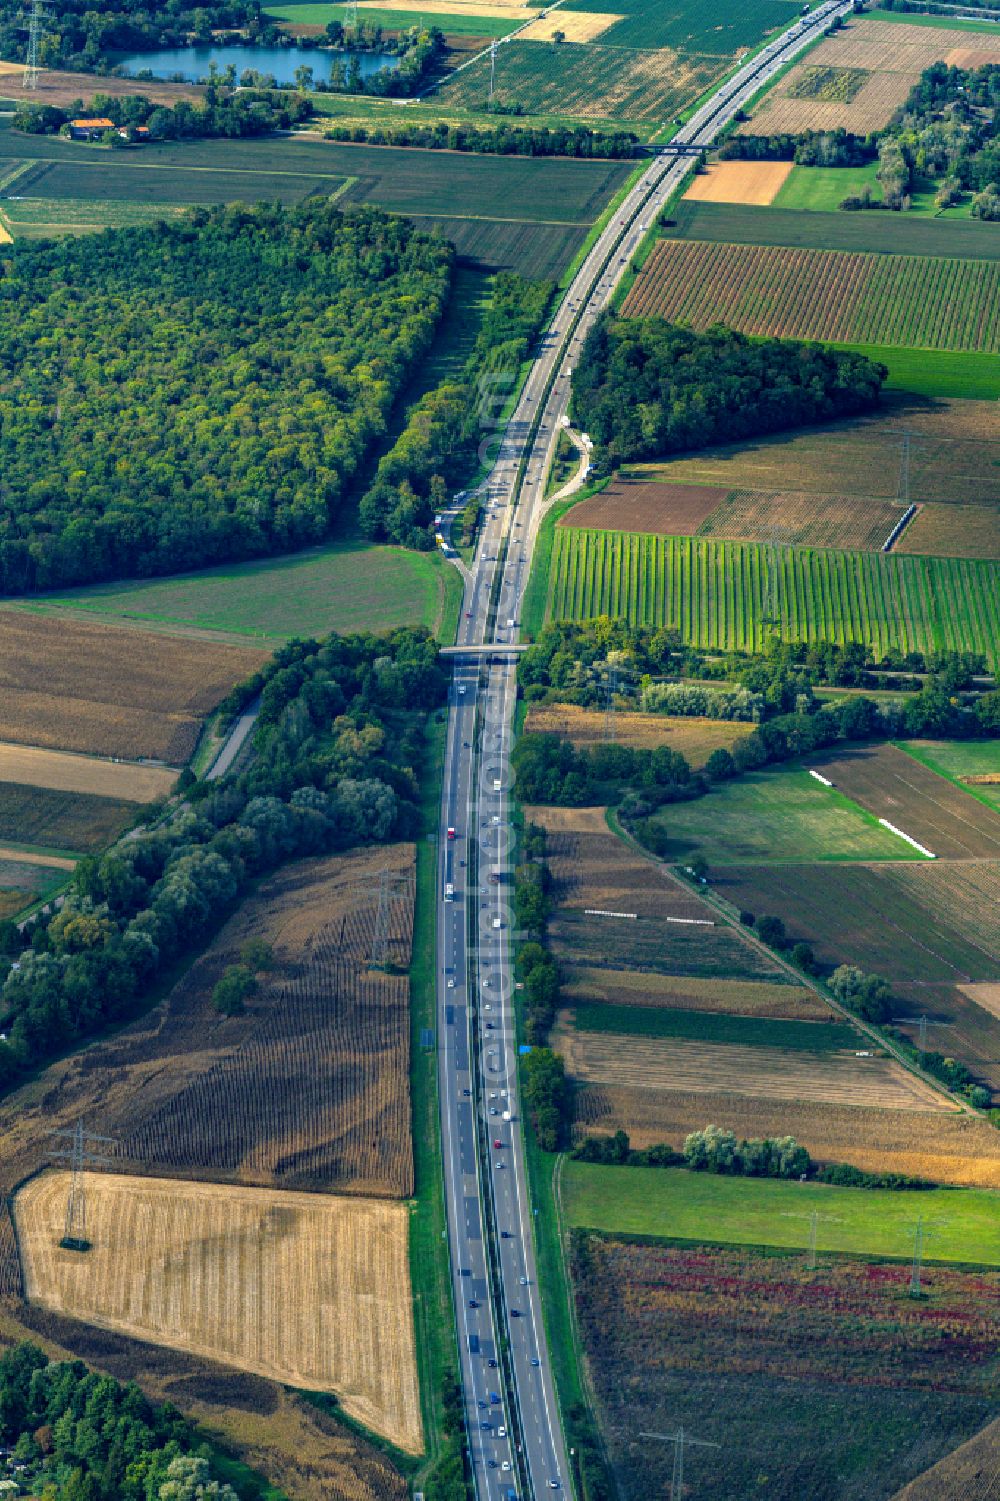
{"points": [[200, 391], [338, 758], [500, 140], [79, 34], [437, 447], [810, 148], [84, 1437], [248, 113], [948, 131], [643, 387]]}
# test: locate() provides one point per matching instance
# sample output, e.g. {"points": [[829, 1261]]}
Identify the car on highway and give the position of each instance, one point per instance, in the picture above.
{"points": [[473, 1302]]}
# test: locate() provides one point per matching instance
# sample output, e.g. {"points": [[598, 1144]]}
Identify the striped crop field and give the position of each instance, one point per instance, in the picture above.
{"points": [[912, 301], [733, 595]]}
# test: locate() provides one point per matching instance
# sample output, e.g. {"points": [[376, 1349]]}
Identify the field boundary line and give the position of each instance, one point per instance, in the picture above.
{"points": [[718, 904]]}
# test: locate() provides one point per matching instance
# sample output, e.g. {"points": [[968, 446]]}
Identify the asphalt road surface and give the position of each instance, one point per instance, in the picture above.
{"points": [[515, 1438]]}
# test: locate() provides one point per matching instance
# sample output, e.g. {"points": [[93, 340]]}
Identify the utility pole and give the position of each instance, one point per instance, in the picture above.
{"points": [[493, 66], [390, 884], [904, 470], [610, 689], [814, 1223], [918, 1252], [922, 1024], [31, 68], [77, 1151], [680, 1441]]}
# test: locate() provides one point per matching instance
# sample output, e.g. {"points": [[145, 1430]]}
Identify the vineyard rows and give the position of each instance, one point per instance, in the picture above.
{"points": [[905, 300], [733, 595]]}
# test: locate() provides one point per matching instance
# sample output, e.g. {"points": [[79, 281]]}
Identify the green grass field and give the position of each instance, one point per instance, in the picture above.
{"points": [[887, 234], [308, 14], [772, 816], [722, 28], [711, 1026], [936, 372], [956, 759], [946, 23], [822, 189], [585, 80], [679, 1205], [723, 594], [346, 587]]}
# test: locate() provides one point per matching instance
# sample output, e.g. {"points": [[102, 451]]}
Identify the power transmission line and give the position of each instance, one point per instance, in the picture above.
{"points": [[680, 1441], [31, 68], [814, 1222], [922, 1023], [78, 1152]]}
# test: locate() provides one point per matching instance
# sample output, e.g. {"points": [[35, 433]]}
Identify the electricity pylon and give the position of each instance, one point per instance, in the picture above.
{"points": [[921, 1231], [680, 1441], [922, 1023], [390, 884], [493, 66], [31, 68], [610, 689], [79, 1154], [814, 1221]]}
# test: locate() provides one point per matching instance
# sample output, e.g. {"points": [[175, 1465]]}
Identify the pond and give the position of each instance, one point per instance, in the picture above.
{"points": [[192, 63]]}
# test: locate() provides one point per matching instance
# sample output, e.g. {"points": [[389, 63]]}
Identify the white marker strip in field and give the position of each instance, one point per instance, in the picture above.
{"points": [[908, 837], [820, 778], [599, 912]]}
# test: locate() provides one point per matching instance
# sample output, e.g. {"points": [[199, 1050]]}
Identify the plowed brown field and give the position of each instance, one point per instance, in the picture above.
{"points": [[802, 519], [628, 987], [113, 691], [953, 532], [633, 505], [312, 1291], [947, 1148]]}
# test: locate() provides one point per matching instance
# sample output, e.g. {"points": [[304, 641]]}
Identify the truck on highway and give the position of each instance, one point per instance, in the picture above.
{"points": [[449, 891]]}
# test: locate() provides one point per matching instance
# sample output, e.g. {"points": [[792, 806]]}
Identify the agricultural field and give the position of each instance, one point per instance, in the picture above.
{"points": [[41, 218], [788, 223], [183, 1264], [710, 1026], [696, 739], [588, 81], [923, 921], [953, 531], [800, 519], [306, 17], [954, 450], [740, 998], [962, 1021], [32, 767], [110, 692], [738, 182], [773, 816], [60, 88], [733, 595], [973, 763], [726, 29], [632, 504], [823, 294], [662, 1066], [61, 820], [307, 1089], [685, 948], [346, 587], [830, 1384], [943, 1147], [24, 878], [892, 785], [838, 85], [752, 1212], [967, 1474]]}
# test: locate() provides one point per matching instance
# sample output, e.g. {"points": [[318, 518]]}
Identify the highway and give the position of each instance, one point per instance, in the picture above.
{"points": [[515, 1437]]}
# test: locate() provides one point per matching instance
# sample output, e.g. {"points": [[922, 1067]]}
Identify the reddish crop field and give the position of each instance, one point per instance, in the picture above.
{"points": [[635, 505], [831, 1385], [913, 301]]}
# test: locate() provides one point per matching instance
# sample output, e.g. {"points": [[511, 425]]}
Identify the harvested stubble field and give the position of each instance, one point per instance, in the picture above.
{"points": [[832, 1384], [870, 107], [635, 505], [61, 820], [893, 785], [954, 453], [32, 767], [907, 300], [933, 921], [662, 1065], [953, 531], [110, 690], [738, 182], [695, 738], [59, 89], [779, 815], [967, 1474], [730, 997], [888, 46], [665, 948], [801, 519], [719, 594], [588, 81], [311, 1291], [307, 1090], [944, 1147]]}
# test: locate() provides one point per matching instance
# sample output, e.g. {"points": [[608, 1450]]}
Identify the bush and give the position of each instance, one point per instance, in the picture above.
{"points": [[771, 930], [238, 983]]}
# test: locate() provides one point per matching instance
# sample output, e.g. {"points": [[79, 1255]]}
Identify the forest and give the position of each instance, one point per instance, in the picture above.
{"points": [[948, 131], [78, 1436], [80, 33], [496, 140], [201, 391], [338, 752], [644, 387], [437, 447], [812, 148]]}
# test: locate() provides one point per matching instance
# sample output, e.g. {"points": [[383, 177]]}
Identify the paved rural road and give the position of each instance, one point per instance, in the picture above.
{"points": [[516, 1442]]}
